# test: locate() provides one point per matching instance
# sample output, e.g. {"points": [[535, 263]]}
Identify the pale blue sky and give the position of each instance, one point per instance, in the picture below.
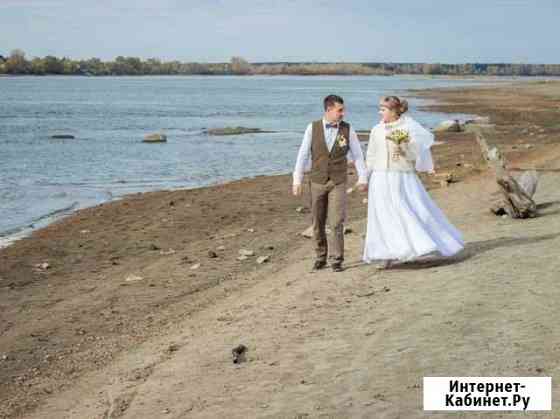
{"points": [[449, 31]]}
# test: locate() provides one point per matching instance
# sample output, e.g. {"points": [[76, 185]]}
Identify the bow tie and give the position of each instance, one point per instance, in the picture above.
{"points": [[335, 126]]}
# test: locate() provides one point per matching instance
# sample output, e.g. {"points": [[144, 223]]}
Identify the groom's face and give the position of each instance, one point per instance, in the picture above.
{"points": [[335, 113]]}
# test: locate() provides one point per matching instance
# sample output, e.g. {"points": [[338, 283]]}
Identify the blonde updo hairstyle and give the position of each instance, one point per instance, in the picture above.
{"points": [[400, 106]]}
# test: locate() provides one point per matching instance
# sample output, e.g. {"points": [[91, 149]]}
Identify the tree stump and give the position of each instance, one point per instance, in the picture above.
{"points": [[516, 194]]}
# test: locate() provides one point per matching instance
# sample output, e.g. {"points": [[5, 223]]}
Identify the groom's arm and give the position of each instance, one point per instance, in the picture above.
{"points": [[358, 157], [302, 160]]}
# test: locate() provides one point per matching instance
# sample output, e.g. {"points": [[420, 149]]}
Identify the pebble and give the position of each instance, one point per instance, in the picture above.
{"points": [[239, 354], [263, 259], [195, 266], [246, 252]]}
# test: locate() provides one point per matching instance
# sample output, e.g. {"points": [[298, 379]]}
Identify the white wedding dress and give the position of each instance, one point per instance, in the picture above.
{"points": [[403, 221]]}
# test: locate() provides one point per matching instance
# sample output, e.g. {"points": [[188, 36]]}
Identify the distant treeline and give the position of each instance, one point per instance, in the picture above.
{"points": [[17, 63]]}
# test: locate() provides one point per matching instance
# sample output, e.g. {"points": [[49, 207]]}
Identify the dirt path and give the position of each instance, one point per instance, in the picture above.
{"points": [[354, 344]]}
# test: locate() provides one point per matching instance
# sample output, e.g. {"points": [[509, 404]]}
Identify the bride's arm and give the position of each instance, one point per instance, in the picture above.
{"points": [[421, 141], [370, 156]]}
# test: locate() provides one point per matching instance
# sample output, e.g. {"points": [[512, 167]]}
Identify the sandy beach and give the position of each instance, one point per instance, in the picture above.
{"points": [[131, 308]]}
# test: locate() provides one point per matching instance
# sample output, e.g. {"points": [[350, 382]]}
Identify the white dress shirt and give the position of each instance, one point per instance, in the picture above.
{"points": [[303, 162]]}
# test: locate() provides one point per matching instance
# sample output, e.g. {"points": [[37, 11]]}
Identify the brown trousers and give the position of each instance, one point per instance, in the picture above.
{"points": [[328, 201]]}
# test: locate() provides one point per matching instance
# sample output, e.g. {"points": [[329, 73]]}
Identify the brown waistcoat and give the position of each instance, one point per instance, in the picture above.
{"points": [[327, 165]]}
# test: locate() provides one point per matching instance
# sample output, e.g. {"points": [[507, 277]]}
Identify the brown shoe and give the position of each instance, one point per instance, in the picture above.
{"points": [[319, 264], [337, 267]]}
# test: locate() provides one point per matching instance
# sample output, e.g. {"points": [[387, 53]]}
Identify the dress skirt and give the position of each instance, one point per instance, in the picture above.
{"points": [[404, 222]]}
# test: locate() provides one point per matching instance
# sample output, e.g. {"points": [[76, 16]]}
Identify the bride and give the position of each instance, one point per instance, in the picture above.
{"points": [[403, 221]]}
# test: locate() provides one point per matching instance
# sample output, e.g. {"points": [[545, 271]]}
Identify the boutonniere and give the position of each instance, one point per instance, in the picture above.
{"points": [[342, 141]]}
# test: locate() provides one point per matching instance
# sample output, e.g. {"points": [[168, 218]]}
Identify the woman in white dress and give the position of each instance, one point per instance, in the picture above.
{"points": [[403, 221]]}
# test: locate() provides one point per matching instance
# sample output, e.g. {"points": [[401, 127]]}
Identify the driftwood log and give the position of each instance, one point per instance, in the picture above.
{"points": [[516, 198]]}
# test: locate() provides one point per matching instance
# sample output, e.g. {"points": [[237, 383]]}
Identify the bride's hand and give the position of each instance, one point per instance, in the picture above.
{"points": [[397, 152], [362, 187]]}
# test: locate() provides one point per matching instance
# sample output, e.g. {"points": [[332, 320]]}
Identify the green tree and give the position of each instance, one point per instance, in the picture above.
{"points": [[16, 63], [240, 66]]}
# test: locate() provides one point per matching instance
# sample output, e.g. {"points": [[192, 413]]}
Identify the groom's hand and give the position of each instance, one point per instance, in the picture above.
{"points": [[297, 190], [362, 187]]}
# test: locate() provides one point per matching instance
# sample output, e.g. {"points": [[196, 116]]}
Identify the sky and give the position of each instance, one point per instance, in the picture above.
{"points": [[520, 31]]}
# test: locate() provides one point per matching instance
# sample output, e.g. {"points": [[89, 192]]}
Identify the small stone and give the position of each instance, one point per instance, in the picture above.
{"points": [[173, 348], [155, 138], [349, 191], [364, 201], [242, 257], [212, 254], [221, 248], [251, 230], [301, 210], [195, 266], [167, 252], [529, 146], [84, 231], [450, 178], [308, 232], [246, 252], [263, 259], [43, 266], [450, 126], [239, 354], [133, 278], [348, 230], [153, 247]]}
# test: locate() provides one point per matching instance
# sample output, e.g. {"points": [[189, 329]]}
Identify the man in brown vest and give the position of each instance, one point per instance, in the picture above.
{"points": [[328, 143]]}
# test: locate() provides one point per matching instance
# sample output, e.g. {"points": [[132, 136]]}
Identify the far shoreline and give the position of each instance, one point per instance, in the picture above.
{"points": [[482, 77]]}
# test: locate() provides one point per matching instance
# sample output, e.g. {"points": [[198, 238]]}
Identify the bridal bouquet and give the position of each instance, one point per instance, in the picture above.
{"points": [[399, 137]]}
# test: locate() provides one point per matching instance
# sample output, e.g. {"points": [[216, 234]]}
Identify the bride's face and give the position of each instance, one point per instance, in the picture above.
{"points": [[387, 115]]}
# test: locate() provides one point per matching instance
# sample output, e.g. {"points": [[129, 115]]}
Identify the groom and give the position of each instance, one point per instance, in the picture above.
{"points": [[329, 143]]}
